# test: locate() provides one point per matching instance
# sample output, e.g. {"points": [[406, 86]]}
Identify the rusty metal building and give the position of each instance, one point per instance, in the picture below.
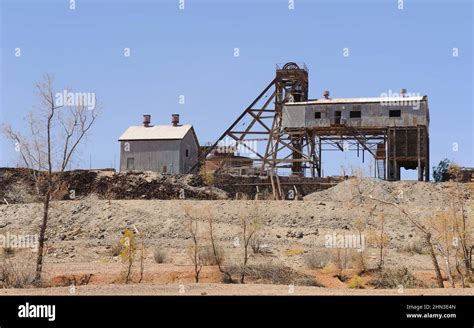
{"points": [[394, 130], [168, 149], [292, 132]]}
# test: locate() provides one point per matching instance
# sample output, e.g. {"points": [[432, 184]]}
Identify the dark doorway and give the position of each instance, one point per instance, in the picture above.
{"points": [[337, 117]]}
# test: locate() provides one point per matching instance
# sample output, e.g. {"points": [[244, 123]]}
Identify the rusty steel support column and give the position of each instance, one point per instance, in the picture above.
{"points": [[418, 154], [427, 155], [395, 165], [320, 152]]}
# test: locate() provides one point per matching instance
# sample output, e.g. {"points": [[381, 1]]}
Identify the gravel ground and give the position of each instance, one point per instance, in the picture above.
{"points": [[84, 232], [221, 289]]}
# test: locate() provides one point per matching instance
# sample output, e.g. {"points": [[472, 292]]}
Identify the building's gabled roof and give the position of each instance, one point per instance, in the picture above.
{"points": [[157, 132]]}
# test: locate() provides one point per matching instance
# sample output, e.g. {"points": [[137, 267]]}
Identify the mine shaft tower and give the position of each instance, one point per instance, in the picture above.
{"points": [[283, 129]]}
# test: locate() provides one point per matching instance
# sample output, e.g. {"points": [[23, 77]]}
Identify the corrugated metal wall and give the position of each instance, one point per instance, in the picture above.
{"points": [[372, 115], [164, 156]]}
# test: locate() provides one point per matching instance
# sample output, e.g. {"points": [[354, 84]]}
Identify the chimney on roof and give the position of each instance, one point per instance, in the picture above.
{"points": [[403, 92], [175, 119], [146, 120], [326, 94]]}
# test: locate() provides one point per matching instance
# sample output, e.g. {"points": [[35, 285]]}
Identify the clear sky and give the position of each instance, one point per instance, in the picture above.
{"points": [[190, 52]]}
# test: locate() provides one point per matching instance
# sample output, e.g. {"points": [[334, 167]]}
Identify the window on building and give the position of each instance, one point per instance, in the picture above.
{"points": [[187, 152], [394, 113], [130, 163], [317, 114], [355, 114]]}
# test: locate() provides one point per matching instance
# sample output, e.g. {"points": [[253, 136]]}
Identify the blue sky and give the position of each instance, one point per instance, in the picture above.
{"points": [[190, 52]]}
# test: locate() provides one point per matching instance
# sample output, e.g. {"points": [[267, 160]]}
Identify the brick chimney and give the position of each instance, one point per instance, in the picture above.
{"points": [[146, 120], [175, 119]]}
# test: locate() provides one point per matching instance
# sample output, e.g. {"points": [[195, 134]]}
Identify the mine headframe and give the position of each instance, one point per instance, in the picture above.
{"points": [[258, 131]]}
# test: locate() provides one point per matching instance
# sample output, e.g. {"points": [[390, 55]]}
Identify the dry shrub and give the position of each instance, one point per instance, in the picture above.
{"points": [[356, 282], [256, 244], [16, 274], [342, 258], [331, 269], [359, 262], [116, 249], [206, 254], [413, 247], [276, 274], [294, 252], [159, 255], [318, 259], [396, 277]]}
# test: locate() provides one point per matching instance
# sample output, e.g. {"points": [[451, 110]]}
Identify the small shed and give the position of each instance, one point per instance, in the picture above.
{"points": [[168, 149]]}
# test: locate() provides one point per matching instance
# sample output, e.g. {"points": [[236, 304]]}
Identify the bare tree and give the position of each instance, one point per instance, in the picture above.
{"points": [[462, 227], [128, 249], [360, 226], [54, 134], [192, 226], [452, 233], [249, 225], [216, 251], [442, 227], [141, 238], [414, 221], [381, 238]]}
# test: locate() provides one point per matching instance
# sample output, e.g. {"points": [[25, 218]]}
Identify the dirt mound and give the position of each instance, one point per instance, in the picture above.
{"points": [[17, 186], [401, 192], [151, 185]]}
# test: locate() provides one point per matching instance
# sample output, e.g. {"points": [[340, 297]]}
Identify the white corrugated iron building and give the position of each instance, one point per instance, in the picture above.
{"points": [[169, 149]]}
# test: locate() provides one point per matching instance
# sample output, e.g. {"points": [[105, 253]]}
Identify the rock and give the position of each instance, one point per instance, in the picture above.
{"points": [[300, 235], [3, 225]]}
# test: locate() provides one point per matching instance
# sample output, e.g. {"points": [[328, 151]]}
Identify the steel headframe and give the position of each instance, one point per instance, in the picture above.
{"points": [[261, 124]]}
